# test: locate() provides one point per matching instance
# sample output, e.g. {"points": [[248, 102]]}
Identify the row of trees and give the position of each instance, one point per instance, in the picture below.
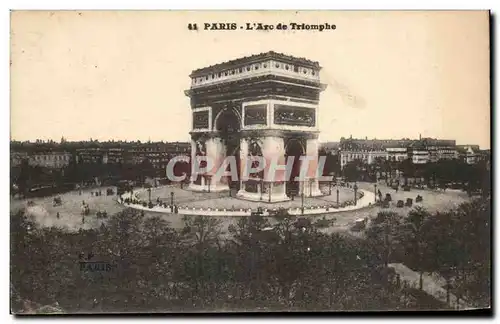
{"points": [[293, 266], [25, 176], [454, 244], [202, 267]]}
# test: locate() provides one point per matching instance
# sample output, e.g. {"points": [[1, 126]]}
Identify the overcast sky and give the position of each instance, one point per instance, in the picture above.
{"points": [[122, 75]]}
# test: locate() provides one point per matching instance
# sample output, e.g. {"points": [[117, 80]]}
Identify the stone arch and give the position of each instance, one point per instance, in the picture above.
{"points": [[292, 143], [255, 150], [227, 112], [227, 124], [294, 147]]}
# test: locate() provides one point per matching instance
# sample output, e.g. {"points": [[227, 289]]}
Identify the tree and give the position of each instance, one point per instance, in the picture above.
{"points": [[25, 176], [352, 170], [415, 246], [408, 169], [384, 235]]}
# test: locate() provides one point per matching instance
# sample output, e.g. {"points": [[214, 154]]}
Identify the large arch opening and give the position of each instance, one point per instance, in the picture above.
{"points": [[228, 125], [294, 148], [255, 179], [201, 150]]}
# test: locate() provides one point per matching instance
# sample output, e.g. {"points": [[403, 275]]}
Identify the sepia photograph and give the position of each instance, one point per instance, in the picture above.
{"points": [[249, 161]]}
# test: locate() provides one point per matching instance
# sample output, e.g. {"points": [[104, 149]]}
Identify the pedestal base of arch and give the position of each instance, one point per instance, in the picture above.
{"points": [[311, 188], [207, 186], [269, 192]]}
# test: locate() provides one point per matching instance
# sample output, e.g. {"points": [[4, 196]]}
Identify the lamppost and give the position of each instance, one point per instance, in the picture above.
{"points": [[149, 194], [302, 198], [310, 187], [172, 198], [261, 188], [375, 185], [337, 196], [209, 180], [355, 194], [330, 188]]}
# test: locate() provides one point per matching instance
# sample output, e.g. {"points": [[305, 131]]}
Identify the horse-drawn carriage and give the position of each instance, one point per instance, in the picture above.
{"points": [[103, 214], [409, 202], [359, 224], [85, 209], [57, 201]]}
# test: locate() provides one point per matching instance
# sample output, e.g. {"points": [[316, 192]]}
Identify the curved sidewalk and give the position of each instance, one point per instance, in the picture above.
{"points": [[366, 200]]}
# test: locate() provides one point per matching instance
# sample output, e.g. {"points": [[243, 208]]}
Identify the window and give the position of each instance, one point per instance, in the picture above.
{"points": [[264, 65], [213, 76], [295, 69], [286, 67], [220, 74], [225, 73], [277, 65], [305, 71], [312, 73], [257, 66], [233, 71], [248, 68], [240, 70], [206, 78]]}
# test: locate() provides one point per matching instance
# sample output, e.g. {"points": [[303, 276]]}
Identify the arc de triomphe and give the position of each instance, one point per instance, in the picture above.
{"points": [[262, 105]]}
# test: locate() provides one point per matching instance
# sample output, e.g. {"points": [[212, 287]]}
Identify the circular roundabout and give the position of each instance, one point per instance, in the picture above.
{"points": [[174, 200]]}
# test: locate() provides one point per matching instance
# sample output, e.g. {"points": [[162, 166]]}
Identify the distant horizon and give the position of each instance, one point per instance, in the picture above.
{"points": [[188, 140]]}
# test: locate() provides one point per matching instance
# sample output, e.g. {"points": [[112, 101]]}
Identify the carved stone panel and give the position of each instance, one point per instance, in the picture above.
{"points": [[200, 119], [294, 116], [256, 115]]}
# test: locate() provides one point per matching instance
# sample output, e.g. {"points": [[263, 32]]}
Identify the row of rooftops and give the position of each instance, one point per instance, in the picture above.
{"points": [[398, 145], [254, 59], [92, 146], [380, 144]]}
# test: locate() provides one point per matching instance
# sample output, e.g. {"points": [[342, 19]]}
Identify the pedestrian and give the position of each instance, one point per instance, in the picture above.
{"points": [[57, 215], [83, 219]]}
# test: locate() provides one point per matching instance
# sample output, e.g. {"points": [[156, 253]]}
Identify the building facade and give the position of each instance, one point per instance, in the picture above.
{"points": [[420, 151], [470, 154], [51, 160]]}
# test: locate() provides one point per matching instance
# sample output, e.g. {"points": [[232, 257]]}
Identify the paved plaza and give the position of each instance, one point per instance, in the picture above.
{"points": [[70, 210], [222, 200]]}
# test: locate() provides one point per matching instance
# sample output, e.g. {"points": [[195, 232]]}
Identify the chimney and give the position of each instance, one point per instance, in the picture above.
{"points": [[420, 137]]}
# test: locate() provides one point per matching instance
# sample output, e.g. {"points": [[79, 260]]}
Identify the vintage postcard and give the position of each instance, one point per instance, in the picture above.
{"points": [[249, 161]]}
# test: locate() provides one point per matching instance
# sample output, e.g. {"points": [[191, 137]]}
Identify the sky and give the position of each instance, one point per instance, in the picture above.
{"points": [[122, 74]]}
